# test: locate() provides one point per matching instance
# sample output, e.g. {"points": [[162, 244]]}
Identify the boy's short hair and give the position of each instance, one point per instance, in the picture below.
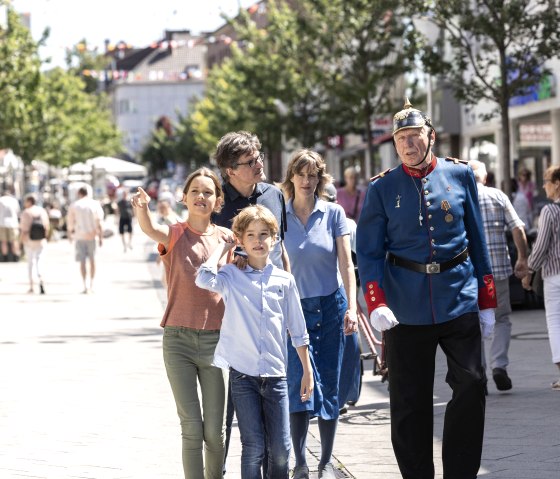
{"points": [[254, 213]]}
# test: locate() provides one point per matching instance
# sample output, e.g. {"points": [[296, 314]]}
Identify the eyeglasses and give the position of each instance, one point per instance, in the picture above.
{"points": [[252, 162], [547, 180]]}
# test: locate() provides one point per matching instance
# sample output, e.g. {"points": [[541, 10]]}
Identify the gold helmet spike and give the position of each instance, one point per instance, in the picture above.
{"points": [[409, 117]]}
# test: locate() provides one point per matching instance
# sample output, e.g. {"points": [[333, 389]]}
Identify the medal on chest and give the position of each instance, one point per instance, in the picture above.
{"points": [[445, 206]]}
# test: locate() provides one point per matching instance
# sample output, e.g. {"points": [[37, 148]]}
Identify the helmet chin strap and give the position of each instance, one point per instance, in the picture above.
{"points": [[427, 149]]}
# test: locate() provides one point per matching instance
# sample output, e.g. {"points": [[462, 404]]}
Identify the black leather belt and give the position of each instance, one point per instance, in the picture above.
{"points": [[430, 268]]}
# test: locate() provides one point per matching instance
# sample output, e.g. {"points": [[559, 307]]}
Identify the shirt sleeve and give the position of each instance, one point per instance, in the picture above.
{"points": [[176, 232], [295, 319], [208, 277], [478, 250], [340, 224], [370, 248], [544, 237], [512, 218]]}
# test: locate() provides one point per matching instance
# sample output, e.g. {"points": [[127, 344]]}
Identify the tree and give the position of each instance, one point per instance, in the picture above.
{"points": [[22, 105], [370, 47], [86, 63], [160, 149], [76, 125], [332, 64], [499, 49], [48, 116], [187, 150], [268, 67]]}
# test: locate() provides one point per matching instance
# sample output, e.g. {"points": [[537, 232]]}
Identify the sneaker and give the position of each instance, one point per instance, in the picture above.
{"points": [[327, 471], [301, 472], [501, 378], [556, 385]]}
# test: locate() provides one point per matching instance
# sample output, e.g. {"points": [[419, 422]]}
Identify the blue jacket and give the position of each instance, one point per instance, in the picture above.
{"points": [[446, 199]]}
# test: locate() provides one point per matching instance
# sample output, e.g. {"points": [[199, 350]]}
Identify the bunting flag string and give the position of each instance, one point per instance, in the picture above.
{"points": [[191, 73]]}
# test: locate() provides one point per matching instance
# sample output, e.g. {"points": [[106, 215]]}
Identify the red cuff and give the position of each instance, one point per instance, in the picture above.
{"points": [[487, 294], [375, 296]]}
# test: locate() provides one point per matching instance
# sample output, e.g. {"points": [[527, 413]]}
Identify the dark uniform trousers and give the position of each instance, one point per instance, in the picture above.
{"points": [[411, 352]]}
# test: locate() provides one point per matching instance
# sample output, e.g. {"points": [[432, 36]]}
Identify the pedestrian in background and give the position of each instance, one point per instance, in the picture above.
{"points": [[545, 254], [262, 308], [318, 244], [498, 216], [192, 321], [242, 168], [34, 224], [9, 224], [527, 187], [350, 196], [427, 281], [125, 214], [85, 217]]}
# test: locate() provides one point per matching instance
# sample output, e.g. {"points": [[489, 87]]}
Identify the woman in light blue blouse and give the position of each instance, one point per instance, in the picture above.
{"points": [[318, 245]]}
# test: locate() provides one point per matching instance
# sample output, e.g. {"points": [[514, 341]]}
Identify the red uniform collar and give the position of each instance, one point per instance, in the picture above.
{"points": [[420, 173]]}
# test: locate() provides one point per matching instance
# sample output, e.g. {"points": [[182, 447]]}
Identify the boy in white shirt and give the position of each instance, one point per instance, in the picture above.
{"points": [[261, 304]]}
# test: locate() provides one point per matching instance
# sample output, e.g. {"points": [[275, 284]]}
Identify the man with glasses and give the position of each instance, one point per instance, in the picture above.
{"points": [[241, 164]]}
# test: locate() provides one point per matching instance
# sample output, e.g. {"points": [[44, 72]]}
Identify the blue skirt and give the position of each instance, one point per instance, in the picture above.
{"points": [[324, 317]]}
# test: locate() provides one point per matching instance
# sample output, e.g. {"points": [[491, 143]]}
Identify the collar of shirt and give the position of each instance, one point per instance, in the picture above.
{"points": [[320, 205], [266, 269], [233, 194], [417, 173]]}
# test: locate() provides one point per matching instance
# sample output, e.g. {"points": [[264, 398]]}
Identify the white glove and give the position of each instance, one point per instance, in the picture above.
{"points": [[382, 318], [487, 321]]}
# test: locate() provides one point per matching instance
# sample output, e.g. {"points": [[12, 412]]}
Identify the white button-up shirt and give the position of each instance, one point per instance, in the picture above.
{"points": [[260, 308]]}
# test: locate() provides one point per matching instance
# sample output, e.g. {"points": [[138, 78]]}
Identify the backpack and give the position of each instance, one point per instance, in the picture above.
{"points": [[37, 230]]}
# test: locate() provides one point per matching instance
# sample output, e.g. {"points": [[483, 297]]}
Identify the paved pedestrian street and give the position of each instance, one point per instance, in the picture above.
{"points": [[84, 394]]}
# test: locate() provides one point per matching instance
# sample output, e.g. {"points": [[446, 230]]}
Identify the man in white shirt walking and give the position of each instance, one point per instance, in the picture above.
{"points": [[84, 224], [9, 224]]}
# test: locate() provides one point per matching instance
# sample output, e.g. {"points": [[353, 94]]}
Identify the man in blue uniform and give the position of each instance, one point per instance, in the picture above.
{"points": [[427, 279]]}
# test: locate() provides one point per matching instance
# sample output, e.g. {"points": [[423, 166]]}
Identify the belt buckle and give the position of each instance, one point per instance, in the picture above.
{"points": [[432, 268]]}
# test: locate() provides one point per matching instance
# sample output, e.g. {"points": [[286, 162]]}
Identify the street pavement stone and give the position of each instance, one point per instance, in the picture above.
{"points": [[84, 394]]}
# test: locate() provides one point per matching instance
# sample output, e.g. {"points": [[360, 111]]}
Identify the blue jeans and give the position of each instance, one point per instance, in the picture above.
{"points": [[261, 407]]}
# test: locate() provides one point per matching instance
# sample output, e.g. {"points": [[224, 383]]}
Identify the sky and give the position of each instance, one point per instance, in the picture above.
{"points": [[137, 22]]}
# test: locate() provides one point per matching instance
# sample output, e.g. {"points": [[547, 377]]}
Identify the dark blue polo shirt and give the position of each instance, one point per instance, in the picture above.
{"points": [[264, 194]]}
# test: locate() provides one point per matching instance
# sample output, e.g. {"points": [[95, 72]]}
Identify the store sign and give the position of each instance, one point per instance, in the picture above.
{"points": [[535, 133], [544, 90]]}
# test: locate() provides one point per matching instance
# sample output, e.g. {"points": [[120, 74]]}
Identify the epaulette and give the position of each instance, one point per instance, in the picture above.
{"points": [[380, 175], [457, 160]]}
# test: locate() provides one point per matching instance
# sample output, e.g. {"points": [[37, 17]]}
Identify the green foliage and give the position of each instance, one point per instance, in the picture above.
{"points": [[48, 116], [503, 45], [186, 149], [83, 62], [332, 63], [77, 125], [22, 104], [495, 50]]}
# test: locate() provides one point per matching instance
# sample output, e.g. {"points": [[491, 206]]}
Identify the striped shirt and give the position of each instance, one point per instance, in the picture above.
{"points": [[546, 249], [498, 215]]}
